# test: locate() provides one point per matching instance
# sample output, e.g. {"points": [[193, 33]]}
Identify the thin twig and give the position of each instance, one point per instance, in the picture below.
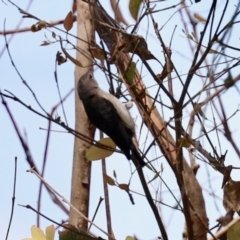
{"points": [[13, 198], [66, 201], [106, 195], [95, 213]]}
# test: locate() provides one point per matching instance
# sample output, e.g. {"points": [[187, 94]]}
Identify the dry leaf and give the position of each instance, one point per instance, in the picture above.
{"points": [[38, 26], [60, 59], [73, 60], [124, 186], [45, 43], [199, 17], [68, 21], [233, 232], [231, 196], [226, 175], [225, 220], [96, 51], [117, 12], [42, 24], [109, 180], [135, 44]]}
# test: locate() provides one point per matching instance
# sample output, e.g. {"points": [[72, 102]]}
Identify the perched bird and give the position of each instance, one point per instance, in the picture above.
{"points": [[109, 115]]}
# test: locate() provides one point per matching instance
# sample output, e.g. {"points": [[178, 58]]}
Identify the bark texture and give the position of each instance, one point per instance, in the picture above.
{"points": [[81, 171]]}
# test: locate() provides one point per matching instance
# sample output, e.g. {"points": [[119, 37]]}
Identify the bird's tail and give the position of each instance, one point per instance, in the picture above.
{"points": [[137, 156]]}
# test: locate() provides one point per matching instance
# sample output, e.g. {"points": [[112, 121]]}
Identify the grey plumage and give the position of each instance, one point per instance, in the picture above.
{"points": [[109, 115]]}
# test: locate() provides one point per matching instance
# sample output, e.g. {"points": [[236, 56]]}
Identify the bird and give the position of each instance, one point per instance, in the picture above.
{"points": [[109, 115]]}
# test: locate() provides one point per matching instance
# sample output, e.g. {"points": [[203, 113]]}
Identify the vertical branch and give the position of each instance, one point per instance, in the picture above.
{"points": [[106, 196], [43, 171], [81, 170], [13, 198]]}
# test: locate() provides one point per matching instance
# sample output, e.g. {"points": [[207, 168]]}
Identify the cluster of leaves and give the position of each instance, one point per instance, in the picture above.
{"points": [[69, 233]]}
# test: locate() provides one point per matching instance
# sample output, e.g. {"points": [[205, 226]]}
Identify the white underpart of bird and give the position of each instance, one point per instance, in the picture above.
{"points": [[109, 115], [128, 105]]}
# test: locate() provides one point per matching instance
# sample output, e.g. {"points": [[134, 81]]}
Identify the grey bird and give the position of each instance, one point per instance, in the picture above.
{"points": [[109, 115]]}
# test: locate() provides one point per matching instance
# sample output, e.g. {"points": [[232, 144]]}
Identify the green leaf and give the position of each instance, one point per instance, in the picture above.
{"points": [[154, 177], [130, 73], [134, 6], [97, 153], [73, 233], [234, 232], [184, 142], [229, 82]]}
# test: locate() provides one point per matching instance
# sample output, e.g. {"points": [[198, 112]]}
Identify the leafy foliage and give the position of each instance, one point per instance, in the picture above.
{"points": [[38, 234], [96, 152]]}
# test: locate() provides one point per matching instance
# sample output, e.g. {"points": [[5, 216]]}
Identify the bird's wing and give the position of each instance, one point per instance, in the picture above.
{"points": [[103, 114], [120, 108]]}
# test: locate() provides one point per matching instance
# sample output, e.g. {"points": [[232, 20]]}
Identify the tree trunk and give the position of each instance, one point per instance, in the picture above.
{"points": [[81, 172]]}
